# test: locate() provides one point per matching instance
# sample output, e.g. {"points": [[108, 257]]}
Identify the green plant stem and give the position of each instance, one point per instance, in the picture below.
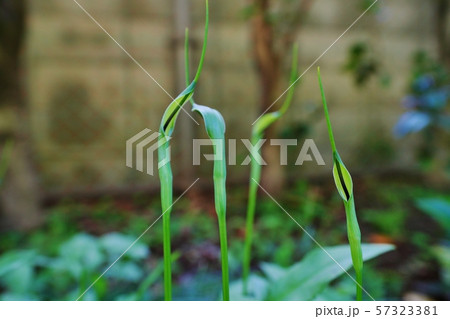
{"points": [[219, 178], [167, 258], [224, 257], [220, 201], [354, 239], [327, 115], [255, 176], [165, 174]]}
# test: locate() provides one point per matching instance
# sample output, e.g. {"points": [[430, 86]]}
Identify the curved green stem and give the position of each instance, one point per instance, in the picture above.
{"points": [[255, 170], [292, 80]]}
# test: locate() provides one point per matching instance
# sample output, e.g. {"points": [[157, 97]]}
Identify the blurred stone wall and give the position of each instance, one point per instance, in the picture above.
{"points": [[87, 97]]}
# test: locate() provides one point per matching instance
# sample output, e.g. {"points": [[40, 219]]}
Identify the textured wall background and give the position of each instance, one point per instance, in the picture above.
{"points": [[87, 97]]}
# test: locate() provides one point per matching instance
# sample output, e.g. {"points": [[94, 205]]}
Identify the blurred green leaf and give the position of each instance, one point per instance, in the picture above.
{"points": [[257, 289], [389, 222], [438, 209], [80, 253], [342, 291], [11, 296], [14, 260], [304, 280], [442, 254], [272, 271], [126, 271], [116, 244]]}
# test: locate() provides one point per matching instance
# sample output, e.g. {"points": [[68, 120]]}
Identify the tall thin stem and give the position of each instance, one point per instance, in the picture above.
{"points": [[224, 257], [354, 239], [327, 115], [255, 176], [167, 258], [165, 174]]}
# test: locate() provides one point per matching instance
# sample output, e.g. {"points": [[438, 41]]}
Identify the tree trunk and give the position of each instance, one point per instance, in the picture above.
{"points": [[442, 31], [268, 67], [19, 196]]}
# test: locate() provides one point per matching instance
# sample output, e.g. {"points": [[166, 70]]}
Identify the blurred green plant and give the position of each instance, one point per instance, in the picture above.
{"points": [[390, 222], [421, 260], [439, 210], [255, 167], [361, 63], [426, 105], [30, 275], [304, 280]]}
